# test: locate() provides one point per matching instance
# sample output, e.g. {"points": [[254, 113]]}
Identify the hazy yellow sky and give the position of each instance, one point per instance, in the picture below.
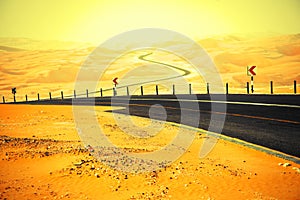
{"points": [[97, 20]]}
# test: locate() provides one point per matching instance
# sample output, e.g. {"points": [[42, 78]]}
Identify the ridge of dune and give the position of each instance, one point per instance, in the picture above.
{"points": [[52, 66], [33, 44]]}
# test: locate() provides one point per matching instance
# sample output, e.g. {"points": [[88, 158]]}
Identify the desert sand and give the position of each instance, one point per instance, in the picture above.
{"points": [[35, 66], [42, 157]]}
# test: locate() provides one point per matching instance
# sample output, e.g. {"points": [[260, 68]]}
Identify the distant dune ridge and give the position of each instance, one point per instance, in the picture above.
{"points": [[42, 66]]}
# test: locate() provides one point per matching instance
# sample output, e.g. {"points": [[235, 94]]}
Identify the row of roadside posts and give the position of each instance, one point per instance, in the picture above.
{"points": [[251, 71], [250, 88]]}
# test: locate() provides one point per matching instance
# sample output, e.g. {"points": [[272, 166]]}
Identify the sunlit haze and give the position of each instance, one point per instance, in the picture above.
{"points": [[44, 43], [95, 21]]}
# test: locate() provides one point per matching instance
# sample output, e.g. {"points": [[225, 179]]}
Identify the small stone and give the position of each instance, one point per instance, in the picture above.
{"points": [[97, 175], [296, 169], [286, 164], [279, 164], [78, 164]]}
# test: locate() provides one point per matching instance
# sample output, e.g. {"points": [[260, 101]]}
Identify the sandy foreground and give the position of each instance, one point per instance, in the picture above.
{"points": [[42, 157]]}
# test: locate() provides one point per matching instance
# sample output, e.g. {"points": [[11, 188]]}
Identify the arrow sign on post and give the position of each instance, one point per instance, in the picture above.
{"points": [[115, 81], [115, 88], [250, 71]]}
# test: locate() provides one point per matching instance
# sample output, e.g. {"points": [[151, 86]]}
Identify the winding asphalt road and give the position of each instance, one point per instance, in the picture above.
{"points": [[143, 57], [271, 121]]}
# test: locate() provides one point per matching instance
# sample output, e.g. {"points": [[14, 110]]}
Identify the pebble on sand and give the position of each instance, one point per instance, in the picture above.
{"points": [[286, 164], [296, 169]]}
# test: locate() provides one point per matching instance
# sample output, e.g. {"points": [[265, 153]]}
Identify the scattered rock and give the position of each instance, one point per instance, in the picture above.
{"points": [[78, 164], [286, 164], [296, 169], [90, 148]]}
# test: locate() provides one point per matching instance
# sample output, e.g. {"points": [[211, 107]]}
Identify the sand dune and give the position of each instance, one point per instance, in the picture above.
{"points": [[42, 66]]}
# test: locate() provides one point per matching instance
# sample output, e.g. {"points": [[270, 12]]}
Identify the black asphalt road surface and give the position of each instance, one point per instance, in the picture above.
{"points": [[272, 121]]}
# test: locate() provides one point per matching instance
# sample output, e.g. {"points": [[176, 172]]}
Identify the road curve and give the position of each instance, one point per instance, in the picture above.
{"points": [[142, 57], [271, 121], [275, 125]]}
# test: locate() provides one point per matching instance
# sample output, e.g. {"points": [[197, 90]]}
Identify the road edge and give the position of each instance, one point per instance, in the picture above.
{"points": [[241, 142]]}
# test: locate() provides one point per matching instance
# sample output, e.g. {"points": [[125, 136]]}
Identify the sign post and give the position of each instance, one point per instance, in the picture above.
{"points": [[115, 86], [14, 91], [252, 73]]}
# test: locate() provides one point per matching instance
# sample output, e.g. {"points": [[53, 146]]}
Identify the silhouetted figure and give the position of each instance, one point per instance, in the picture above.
{"points": [[14, 91]]}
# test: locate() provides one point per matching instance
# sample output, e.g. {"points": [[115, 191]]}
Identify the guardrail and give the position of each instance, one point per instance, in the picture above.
{"points": [[113, 92]]}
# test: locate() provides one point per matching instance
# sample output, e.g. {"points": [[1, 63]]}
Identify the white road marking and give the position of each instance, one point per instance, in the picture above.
{"points": [[227, 102]]}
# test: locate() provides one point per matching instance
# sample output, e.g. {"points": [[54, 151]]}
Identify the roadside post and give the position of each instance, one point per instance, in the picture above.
{"points": [[115, 86], [271, 87], [227, 88], [14, 91], [247, 88], [252, 73], [127, 91], [142, 92], [173, 89], [207, 88]]}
